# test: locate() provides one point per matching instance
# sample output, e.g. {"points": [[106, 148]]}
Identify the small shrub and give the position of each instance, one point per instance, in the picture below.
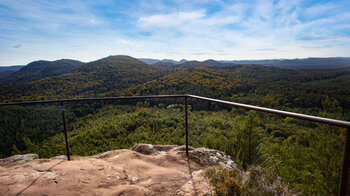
{"points": [[254, 181]]}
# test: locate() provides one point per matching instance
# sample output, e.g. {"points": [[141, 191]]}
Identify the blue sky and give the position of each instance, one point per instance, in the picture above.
{"points": [[195, 30]]}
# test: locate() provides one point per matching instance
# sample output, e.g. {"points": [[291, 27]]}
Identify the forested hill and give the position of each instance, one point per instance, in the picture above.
{"points": [[255, 84], [98, 78], [40, 69], [124, 75]]}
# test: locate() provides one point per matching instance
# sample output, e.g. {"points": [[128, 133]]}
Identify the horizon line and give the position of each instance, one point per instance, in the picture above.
{"points": [[161, 59]]}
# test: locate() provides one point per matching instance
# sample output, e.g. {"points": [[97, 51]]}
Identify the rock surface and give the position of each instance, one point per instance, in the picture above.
{"points": [[144, 170], [17, 160]]}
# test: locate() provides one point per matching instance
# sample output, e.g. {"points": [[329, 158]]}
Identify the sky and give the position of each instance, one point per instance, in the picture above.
{"points": [[88, 30]]}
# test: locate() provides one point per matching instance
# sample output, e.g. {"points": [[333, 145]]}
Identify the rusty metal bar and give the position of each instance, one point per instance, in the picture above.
{"points": [[186, 124], [92, 99], [346, 161], [65, 130], [328, 121]]}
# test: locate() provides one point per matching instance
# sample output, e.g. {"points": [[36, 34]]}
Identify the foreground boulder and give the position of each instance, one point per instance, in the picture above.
{"points": [[144, 170]]}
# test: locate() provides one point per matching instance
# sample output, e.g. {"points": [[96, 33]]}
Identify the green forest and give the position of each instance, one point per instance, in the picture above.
{"points": [[306, 155]]}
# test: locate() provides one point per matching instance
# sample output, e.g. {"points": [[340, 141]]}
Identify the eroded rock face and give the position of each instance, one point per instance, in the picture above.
{"points": [[204, 156], [144, 170], [17, 160], [210, 157]]}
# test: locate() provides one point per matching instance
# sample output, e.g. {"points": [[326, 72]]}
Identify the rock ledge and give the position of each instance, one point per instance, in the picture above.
{"points": [[145, 169]]}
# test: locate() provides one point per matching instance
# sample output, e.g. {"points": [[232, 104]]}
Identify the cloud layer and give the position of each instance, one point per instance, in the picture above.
{"points": [[211, 29]]}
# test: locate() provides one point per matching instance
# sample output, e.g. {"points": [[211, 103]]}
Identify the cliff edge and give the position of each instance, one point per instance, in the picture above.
{"points": [[145, 169]]}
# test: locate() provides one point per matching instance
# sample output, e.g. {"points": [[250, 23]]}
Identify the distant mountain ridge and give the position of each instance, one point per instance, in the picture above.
{"points": [[307, 63], [66, 65], [11, 68], [127, 76], [165, 61], [8, 70], [40, 69]]}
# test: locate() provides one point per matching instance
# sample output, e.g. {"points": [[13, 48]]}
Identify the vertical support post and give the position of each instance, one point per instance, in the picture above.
{"points": [[346, 162], [65, 130], [186, 125]]}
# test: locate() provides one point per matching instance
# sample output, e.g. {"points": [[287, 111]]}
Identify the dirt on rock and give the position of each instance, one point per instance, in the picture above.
{"points": [[144, 170]]}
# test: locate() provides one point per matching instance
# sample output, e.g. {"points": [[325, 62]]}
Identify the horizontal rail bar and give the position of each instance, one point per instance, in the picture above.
{"points": [[328, 121], [92, 99]]}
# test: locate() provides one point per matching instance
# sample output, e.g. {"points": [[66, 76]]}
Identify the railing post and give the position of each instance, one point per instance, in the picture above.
{"points": [[186, 125], [346, 161], [65, 130]]}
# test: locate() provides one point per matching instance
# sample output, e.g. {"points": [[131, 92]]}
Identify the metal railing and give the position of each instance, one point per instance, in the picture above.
{"points": [[338, 123]]}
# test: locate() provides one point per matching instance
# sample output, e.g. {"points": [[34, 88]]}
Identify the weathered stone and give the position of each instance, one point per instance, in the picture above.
{"points": [[17, 160], [144, 170], [148, 149], [60, 157]]}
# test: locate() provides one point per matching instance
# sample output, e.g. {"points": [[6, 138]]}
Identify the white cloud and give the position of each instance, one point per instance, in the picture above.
{"points": [[174, 29], [252, 28], [171, 20], [52, 16], [128, 43]]}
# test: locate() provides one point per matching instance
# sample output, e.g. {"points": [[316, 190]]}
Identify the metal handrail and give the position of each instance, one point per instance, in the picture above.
{"points": [[91, 99], [339, 123]]}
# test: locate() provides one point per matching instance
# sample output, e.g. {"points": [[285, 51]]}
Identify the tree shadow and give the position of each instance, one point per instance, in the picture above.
{"points": [[190, 172], [31, 184]]}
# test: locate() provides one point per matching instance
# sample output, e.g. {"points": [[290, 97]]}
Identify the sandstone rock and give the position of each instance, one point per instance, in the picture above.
{"points": [[17, 159], [143, 170], [210, 157], [148, 149], [199, 186], [60, 157], [204, 156]]}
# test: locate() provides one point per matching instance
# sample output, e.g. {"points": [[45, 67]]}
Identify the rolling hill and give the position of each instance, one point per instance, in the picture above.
{"points": [[41, 69], [124, 75], [103, 77]]}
